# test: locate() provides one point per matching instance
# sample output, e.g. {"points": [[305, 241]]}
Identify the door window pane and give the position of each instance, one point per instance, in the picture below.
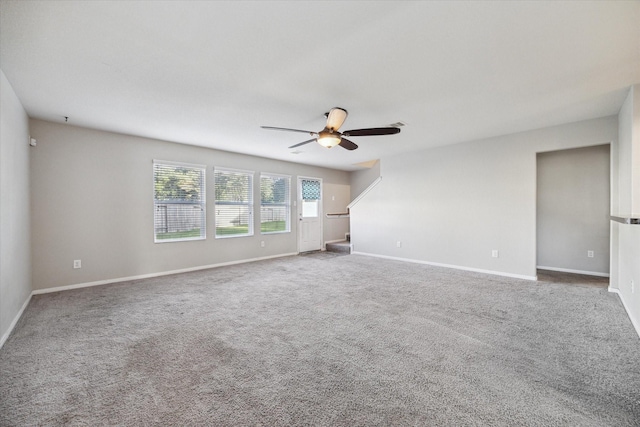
{"points": [[309, 208]]}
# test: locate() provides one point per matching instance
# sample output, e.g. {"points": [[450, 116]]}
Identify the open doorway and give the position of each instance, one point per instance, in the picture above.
{"points": [[573, 205]]}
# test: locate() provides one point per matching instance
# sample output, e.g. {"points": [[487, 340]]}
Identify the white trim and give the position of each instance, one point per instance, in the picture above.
{"points": [[568, 270], [124, 279], [456, 267], [5, 337], [150, 275], [276, 175], [364, 193], [232, 236], [186, 239], [233, 170], [170, 163], [634, 322]]}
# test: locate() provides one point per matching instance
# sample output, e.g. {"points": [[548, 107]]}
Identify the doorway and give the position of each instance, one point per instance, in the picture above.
{"points": [[573, 198], [309, 214]]}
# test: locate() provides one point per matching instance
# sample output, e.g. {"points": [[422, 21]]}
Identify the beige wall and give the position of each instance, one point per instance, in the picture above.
{"points": [[15, 249], [453, 205], [92, 199], [336, 198]]}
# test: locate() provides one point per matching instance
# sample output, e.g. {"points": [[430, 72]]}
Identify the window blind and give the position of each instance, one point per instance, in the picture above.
{"points": [[234, 203], [179, 202], [275, 205], [310, 189]]}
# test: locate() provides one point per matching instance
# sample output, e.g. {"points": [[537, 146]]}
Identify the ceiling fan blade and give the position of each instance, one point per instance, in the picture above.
{"points": [[372, 131], [336, 118], [289, 130], [345, 143], [302, 143]]}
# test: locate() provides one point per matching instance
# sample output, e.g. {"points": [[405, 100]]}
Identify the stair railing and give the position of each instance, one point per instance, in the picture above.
{"points": [[356, 200]]}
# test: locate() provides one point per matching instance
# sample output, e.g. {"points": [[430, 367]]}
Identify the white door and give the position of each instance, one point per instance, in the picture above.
{"points": [[309, 214]]}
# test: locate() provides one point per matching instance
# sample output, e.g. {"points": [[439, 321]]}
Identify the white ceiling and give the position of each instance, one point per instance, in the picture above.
{"points": [[211, 73]]}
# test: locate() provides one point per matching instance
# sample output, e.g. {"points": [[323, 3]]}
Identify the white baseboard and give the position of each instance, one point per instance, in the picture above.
{"points": [[5, 337], [148, 276], [634, 322], [568, 270], [456, 267], [125, 279]]}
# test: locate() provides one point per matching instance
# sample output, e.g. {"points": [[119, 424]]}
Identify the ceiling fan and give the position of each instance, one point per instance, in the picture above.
{"points": [[330, 137]]}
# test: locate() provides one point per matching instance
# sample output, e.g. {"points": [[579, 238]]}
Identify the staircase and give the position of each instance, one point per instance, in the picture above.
{"points": [[343, 247]]}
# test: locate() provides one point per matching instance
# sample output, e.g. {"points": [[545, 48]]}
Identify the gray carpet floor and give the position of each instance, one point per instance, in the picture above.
{"points": [[326, 340]]}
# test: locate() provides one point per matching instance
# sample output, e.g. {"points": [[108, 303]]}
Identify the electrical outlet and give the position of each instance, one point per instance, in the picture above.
{"points": [[494, 253], [590, 254], [77, 263], [398, 244], [262, 244]]}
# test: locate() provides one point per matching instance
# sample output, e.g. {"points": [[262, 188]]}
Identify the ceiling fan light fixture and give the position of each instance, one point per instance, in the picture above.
{"points": [[329, 140]]}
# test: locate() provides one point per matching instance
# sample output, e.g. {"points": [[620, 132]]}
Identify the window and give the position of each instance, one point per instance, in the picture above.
{"points": [[179, 202], [234, 203], [275, 208], [310, 198]]}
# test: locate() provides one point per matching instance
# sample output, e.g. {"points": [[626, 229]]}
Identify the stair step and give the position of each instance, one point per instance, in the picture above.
{"points": [[339, 247]]}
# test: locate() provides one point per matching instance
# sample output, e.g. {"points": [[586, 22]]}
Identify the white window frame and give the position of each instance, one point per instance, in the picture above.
{"points": [[248, 203], [286, 204], [202, 203]]}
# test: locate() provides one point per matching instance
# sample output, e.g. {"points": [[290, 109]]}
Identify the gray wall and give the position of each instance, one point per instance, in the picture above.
{"points": [[363, 178], [92, 199], [628, 159], [15, 241], [573, 209], [625, 239], [453, 205]]}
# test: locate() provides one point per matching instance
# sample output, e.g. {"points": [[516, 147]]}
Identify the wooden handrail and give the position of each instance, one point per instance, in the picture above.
{"points": [[338, 215], [356, 200]]}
